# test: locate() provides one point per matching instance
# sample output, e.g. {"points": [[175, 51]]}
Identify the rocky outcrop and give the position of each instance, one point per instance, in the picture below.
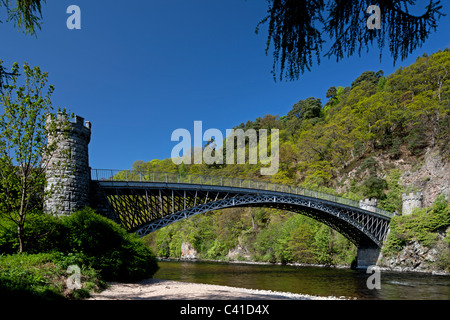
{"points": [[428, 173], [416, 257], [188, 252], [431, 176], [239, 253]]}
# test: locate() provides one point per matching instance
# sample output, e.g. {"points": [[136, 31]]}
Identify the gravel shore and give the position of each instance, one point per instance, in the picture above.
{"points": [[156, 289]]}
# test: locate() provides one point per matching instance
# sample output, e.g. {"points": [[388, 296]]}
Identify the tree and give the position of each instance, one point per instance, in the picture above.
{"points": [[26, 14], [139, 167], [24, 152], [182, 170], [270, 122], [300, 244], [373, 187], [306, 109], [297, 28], [5, 76], [331, 93], [334, 95], [368, 76], [322, 244]]}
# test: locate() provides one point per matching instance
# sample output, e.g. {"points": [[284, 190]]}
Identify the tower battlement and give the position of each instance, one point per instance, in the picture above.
{"points": [[78, 126]]}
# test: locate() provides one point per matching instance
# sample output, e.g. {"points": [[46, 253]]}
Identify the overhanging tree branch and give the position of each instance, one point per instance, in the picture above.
{"points": [[296, 28]]}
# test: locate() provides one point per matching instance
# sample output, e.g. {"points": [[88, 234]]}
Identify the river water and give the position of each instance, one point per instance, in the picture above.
{"points": [[318, 281]]}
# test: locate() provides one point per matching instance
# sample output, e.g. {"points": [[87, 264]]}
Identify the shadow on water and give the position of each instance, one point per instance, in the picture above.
{"points": [[319, 281]]}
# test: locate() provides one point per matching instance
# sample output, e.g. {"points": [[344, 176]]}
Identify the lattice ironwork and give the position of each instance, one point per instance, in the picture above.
{"points": [[144, 207], [164, 177]]}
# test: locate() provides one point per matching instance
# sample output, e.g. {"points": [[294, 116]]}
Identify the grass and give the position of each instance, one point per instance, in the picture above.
{"points": [[43, 276]]}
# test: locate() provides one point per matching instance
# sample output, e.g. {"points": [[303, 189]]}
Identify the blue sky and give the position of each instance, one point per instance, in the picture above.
{"points": [[138, 70]]}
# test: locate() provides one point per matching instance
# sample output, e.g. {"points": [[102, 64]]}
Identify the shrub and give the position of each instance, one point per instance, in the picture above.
{"points": [[422, 226], [42, 233], [108, 247], [373, 187], [8, 238], [85, 235]]}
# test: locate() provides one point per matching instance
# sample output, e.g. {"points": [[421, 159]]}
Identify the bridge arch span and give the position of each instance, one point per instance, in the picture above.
{"points": [[144, 207]]}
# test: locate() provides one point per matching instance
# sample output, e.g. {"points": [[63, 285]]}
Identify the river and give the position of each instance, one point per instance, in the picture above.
{"points": [[319, 281]]}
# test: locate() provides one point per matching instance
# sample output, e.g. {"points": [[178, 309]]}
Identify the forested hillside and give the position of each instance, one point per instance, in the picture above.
{"points": [[378, 137]]}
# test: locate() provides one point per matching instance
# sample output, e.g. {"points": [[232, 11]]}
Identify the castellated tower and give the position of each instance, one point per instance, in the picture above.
{"points": [[68, 172], [410, 202], [368, 204]]}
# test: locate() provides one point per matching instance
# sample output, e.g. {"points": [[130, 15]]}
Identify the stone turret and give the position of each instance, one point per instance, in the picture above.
{"points": [[368, 204], [411, 202], [68, 171]]}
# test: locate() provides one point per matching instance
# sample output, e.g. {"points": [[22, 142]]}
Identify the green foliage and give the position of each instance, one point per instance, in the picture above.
{"points": [[381, 83], [305, 109], [26, 15], [108, 247], [24, 151], [298, 29], [103, 244], [393, 200], [43, 276], [373, 188], [297, 241], [369, 77], [43, 233], [269, 235], [20, 278], [322, 245]]}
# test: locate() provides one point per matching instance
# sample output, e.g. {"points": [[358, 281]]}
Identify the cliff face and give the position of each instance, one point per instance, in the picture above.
{"points": [[431, 176], [428, 173]]}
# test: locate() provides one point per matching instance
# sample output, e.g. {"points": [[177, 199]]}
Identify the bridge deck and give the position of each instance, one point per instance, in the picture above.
{"points": [[143, 203], [115, 178]]}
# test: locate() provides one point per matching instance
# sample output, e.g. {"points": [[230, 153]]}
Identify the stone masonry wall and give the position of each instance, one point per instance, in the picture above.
{"points": [[368, 204], [411, 202], [68, 171]]}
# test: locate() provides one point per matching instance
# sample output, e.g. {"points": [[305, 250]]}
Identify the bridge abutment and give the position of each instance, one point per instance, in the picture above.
{"points": [[367, 255], [97, 200]]}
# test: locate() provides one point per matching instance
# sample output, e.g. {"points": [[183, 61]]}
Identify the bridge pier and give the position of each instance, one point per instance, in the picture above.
{"points": [[367, 255]]}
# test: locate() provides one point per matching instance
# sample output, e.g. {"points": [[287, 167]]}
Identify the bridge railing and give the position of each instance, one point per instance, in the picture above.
{"points": [[131, 176]]}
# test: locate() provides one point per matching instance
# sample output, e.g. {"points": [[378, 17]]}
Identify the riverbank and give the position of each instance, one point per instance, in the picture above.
{"points": [[382, 266], [250, 262], [157, 289]]}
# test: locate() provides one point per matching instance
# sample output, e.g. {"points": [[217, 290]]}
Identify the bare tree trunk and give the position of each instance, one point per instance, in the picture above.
{"points": [[21, 220], [20, 237], [253, 218]]}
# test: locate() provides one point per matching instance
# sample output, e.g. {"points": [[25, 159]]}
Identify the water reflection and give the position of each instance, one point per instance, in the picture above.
{"points": [[319, 281]]}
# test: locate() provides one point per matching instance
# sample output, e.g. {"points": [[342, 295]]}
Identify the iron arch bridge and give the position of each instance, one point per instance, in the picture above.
{"points": [[145, 202]]}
